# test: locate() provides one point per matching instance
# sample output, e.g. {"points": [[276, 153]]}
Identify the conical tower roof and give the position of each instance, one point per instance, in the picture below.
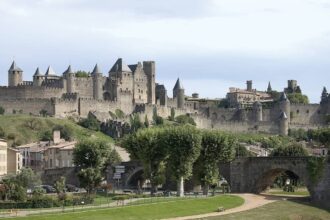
{"points": [[324, 91], [37, 73], [96, 70], [178, 85], [284, 97], [283, 116], [269, 88], [69, 69], [14, 67], [50, 71], [120, 66]]}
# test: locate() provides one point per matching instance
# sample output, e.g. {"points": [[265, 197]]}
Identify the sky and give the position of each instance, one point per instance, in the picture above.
{"points": [[210, 44]]}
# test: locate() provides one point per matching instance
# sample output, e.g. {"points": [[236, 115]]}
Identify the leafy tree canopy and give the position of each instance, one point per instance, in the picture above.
{"points": [[185, 119], [298, 98], [292, 150]]}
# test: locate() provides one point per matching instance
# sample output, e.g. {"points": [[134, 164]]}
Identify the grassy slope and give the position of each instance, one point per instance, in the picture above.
{"points": [[151, 211], [16, 124], [281, 210]]}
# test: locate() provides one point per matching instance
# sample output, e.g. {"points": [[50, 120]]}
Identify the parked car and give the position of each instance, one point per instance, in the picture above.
{"points": [[71, 188], [48, 188]]}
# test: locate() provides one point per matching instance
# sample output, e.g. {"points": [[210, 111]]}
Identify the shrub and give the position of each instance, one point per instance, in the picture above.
{"points": [[2, 110], [91, 123], [2, 133], [185, 119]]}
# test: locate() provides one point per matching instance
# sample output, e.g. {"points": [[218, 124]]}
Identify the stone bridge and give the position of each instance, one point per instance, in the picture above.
{"points": [[254, 175]]}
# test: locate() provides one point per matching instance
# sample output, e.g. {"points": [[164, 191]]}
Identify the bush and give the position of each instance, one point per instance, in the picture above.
{"points": [[185, 119], [293, 150], [91, 123], [2, 110], [2, 133], [46, 135]]}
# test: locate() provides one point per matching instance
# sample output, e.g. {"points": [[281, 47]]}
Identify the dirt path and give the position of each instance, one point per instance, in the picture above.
{"points": [[251, 201]]}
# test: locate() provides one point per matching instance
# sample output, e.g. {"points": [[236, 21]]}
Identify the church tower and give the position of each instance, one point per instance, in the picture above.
{"points": [[15, 75]]}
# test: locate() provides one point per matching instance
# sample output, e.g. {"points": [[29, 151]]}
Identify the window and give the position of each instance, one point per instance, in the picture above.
{"points": [[297, 111], [307, 111]]}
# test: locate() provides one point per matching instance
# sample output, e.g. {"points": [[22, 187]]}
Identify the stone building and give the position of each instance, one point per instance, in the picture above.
{"points": [[247, 96], [14, 161], [133, 90], [3, 157]]}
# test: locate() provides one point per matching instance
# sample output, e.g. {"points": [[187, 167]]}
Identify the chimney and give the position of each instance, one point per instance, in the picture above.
{"points": [[56, 137]]}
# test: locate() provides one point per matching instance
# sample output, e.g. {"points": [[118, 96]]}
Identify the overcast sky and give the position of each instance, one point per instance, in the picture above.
{"points": [[210, 44]]}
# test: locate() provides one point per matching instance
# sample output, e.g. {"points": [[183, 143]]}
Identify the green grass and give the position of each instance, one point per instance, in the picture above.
{"points": [[280, 210], [150, 211], [296, 193], [16, 124]]}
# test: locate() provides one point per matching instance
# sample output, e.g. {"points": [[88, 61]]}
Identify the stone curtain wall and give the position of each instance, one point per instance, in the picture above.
{"points": [[28, 106]]}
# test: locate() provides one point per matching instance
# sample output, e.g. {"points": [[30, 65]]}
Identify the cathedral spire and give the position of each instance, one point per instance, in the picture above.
{"points": [[269, 88]]}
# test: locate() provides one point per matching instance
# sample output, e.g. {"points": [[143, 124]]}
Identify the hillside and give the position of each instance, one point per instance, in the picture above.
{"points": [[23, 129]]}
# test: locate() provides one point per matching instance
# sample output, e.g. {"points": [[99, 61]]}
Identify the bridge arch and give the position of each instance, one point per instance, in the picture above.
{"points": [[132, 179]]}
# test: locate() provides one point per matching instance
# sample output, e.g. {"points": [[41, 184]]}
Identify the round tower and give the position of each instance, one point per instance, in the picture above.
{"points": [[284, 124], [285, 105], [37, 78], [15, 75], [257, 111], [70, 78], [178, 94], [97, 83]]}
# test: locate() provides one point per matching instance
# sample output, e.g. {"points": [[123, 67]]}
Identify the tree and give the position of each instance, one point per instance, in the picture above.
{"points": [[224, 103], [185, 119], [2, 133], [46, 135], [90, 178], [172, 117], [90, 122], [135, 122], [292, 150], [2, 110], [82, 74], [120, 114], [91, 156], [60, 188], [33, 124], [241, 151], [145, 146], [43, 112], [298, 98], [146, 122], [28, 178], [216, 147], [184, 144]]}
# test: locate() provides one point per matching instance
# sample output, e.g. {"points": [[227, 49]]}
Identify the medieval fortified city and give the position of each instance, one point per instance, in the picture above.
{"points": [[115, 140]]}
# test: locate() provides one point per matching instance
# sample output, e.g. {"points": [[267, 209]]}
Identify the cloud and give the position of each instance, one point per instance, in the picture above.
{"points": [[229, 40]]}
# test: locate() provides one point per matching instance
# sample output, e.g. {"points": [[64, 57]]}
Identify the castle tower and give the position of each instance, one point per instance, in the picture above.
{"points": [[257, 111], [97, 82], [15, 75], [269, 88], [178, 93], [249, 85], [37, 78], [149, 68], [285, 105], [69, 75], [121, 78], [284, 124]]}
